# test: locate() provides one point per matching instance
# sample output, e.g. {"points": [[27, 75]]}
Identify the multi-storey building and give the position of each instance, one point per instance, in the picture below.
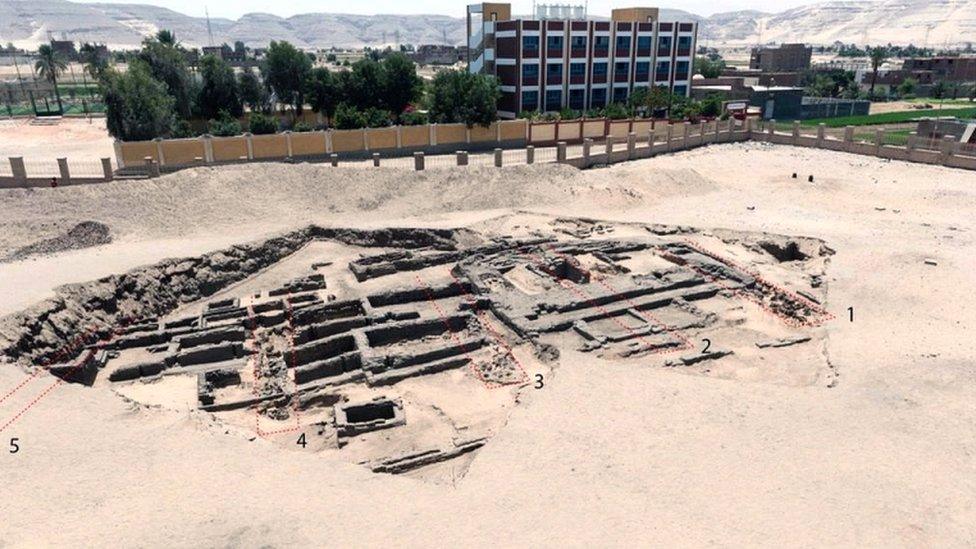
{"points": [[953, 69], [786, 58], [563, 60]]}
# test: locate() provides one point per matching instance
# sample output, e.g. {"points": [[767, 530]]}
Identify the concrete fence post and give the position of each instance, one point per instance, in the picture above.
{"points": [[668, 136], [650, 143], [631, 145], [821, 134], [208, 155], [249, 139], [334, 159], [107, 169], [701, 132], [911, 143], [498, 158], [418, 161], [587, 145], [796, 132], [18, 170], [152, 168], [65, 172], [376, 160], [948, 148], [770, 130], [561, 152], [433, 135], [159, 151], [530, 154], [718, 131], [462, 158], [288, 143], [879, 139], [848, 138], [684, 138], [748, 127], [609, 149], [731, 127], [119, 160]]}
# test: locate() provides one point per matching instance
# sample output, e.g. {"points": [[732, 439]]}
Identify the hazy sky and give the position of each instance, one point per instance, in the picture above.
{"points": [[235, 8]]}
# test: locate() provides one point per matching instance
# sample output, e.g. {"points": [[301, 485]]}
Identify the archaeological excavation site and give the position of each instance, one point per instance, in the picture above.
{"points": [[405, 350]]}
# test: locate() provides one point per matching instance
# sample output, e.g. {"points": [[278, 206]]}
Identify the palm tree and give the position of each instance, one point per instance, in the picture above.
{"points": [[50, 65], [166, 37], [95, 64], [877, 59]]}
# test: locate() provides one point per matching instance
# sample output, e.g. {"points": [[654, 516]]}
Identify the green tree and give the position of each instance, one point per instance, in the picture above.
{"points": [[94, 63], [878, 57], [459, 96], [260, 124], [347, 117], [225, 125], [286, 72], [400, 85], [323, 92], [363, 87], [137, 106], [252, 92], [219, 89], [707, 67], [907, 87], [50, 66], [167, 63]]}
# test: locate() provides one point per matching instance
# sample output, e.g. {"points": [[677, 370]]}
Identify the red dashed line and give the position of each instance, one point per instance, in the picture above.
{"points": [[593, 304], [647, 317], [252, 326], [60, 381], [73, 344], [824, 314], [487, 324], [487, 383]]}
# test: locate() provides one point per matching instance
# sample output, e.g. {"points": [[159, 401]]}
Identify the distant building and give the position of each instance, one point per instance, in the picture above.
{"points": [[786, 58], [436, 54], [963, 131], [228, 54], [889, 80], [953, 69], [561, 59]]}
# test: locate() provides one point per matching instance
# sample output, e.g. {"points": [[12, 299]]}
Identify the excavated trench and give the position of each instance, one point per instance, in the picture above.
{"points": [[79, 315]]}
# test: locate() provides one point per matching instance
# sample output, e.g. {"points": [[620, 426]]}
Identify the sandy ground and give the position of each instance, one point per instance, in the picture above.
{"points": [[77, 139], [623, 455]]}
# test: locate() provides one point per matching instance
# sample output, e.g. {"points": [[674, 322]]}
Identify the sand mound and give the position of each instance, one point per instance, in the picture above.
{"points": [[279, 196]]}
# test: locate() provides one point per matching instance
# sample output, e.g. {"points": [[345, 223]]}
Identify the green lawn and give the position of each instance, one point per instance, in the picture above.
{"points": [[890, 117]]}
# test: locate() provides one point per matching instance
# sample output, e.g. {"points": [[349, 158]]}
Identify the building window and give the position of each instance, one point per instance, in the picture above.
{"points": [[530, 71], [601, 42], [681, 90], [681, 70], [554, 70], [664, 45], [554, 100], [642, 69], [599, 69], [620, 95], [643, 42], [623, 42], [684, 44], [663, 71], [579, 42], [530, 43], [577, 69], [598, 98], [554, 42], [530, 101], [577, 99], [621, 69]]}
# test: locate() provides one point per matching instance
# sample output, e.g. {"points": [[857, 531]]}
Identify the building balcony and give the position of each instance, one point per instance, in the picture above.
{"points": [[662, 77], [622, 52], [554, 80], [554, 52], [577, 52], [599, 79], [681, 76], [530, 81], [601, 52], [620, 77], [684, 52], [664, 52], [578, 79]]}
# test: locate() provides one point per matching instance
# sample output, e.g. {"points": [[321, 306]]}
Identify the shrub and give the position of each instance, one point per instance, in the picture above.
{"points": [[261, 124], [183, 130], [414, 118], [224, 125], [301, 126], [348, 118]]}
